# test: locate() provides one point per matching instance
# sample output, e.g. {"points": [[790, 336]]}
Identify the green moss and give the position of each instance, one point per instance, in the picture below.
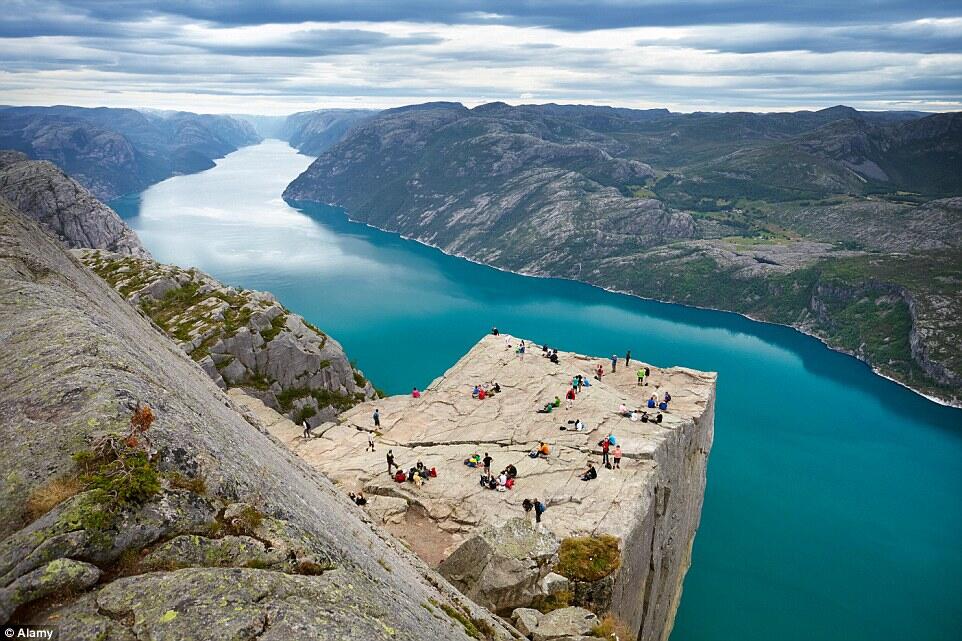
{"points": [[277, 325], [556, 601], [474, 628], [588, 558]]}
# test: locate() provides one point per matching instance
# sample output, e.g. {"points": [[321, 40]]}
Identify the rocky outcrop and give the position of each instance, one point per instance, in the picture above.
{"points": [[93, 482], [314, 132], [650, 507], [63, 207], [241, 338], [501, 567]]}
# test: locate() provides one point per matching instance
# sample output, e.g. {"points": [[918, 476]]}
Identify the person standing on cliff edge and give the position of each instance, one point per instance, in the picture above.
{"points": [[628, 358], [614, 363]]}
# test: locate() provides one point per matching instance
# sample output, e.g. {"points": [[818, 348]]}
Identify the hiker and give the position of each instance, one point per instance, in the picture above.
{"points": [[605, 446], [494, 331], [600, 371], [628, 358], [390, 462], [370, 442], [511, 471], [415, 393], [647, 373], [539, 509], [581, 382], [521, 351], [590, 474], [651, 401], [614, 363], [486, 462], [616, 455], [569, 397], [556, 402], [307, 429], [641, 376], [377, 417]]}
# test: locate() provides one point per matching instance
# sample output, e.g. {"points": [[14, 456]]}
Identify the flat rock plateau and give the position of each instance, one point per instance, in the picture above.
{"points": [[652, 504]]}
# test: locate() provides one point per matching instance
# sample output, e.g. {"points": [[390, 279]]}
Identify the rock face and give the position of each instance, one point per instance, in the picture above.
{"points": [[76, 362], [113, 152], [652, 505], [241, 338], [62, 206], [501, 567], [314, 132]]}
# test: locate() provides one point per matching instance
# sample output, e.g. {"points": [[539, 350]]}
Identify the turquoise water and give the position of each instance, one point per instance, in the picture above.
{"points": [[834, 502]]}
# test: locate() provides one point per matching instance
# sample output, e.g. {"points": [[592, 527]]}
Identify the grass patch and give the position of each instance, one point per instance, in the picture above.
{"points": [[556, 601], [45, 497], [611, 627], [277, 325], [195, 484], [588, 558], [474, 628], [246, 522]]}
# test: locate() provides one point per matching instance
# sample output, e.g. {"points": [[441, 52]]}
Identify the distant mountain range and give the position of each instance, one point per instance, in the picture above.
{"points": [[118, 151], [845, 224]]}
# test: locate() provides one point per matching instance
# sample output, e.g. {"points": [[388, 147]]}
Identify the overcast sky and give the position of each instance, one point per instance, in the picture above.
{"points": [[244, 56]]}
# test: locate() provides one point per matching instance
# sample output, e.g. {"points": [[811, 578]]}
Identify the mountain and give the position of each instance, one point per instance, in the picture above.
{"points": [[118, 151], [313, 132], [63, 207], [845, 224], [139, 502]]}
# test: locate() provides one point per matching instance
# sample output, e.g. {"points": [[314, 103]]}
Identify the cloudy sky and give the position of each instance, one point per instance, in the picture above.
{"points": [[254, 56]]}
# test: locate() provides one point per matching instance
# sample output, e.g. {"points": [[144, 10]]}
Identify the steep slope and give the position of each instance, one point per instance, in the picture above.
{"points": [[314, 132], [118, 151], [63, 206], [242, 338], [100, 492]]}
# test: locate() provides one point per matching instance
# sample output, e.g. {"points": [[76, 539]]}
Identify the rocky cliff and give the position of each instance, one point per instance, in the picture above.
{"points": [[63, 207], [644, 515], [113, 152], [139, 503], [241, 338]]}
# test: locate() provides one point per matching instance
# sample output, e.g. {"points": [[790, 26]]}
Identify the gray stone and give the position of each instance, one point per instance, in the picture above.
{"points": [[526, 620], [60, 575], [553, 583], [200, 551], [500, 566], [565, 622]]}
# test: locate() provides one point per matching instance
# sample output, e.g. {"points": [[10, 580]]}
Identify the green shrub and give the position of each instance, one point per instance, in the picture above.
{"points": [[588, 558]]}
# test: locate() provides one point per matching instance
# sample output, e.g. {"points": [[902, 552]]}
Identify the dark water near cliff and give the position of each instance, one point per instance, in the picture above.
{"points": [[834, 503]]}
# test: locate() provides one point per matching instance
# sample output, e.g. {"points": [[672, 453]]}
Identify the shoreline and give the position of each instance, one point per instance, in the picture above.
{"points": [[935, 399]]}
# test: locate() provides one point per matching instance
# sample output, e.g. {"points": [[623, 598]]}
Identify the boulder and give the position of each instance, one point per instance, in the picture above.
{"points": [[500, 566], [565, 622], [60, 575], [526, 620], [553, 583]]}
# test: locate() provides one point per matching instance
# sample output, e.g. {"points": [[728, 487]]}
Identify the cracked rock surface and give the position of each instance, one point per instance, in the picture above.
{"points": [[652, 504]]}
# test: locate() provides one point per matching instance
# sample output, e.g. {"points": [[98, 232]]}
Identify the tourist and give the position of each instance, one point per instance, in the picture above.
{"points": [[663, 406], [667, 397], [605, 445], [579, 425], [644, 417], [539, 509], [623, 410], [590, 474], [511, 471], [569, 397], [496, 389], [370, 442], [390, 462], [476, 391], [628, 358], [546, 409], [358, 498], [377, 417], [482, 394], [651, 401], [494, 331], [581, 382], [307, 430], [658, 418], [554, 357], [543, 450], [641, 376], [486, 462], [415, 393], [600, 371], [527, 505], [521, 351], [556, 402], [502, 481], [614, 363], [616, 455]]}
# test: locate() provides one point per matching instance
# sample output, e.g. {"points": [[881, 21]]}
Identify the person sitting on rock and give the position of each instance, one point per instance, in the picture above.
{"points": [[358, 498], [415, 393], [644, 417], [546, 409], [494, 331], [623, 410], [658, 418], [496, 389], [422, 470], [651, 401], [482, 394], [556, 402], [667, 397], [663, 406], [476, 391], [511, 471], [579, 425], [502, 481], [554, 357], [590, 474], [544, 449]]}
